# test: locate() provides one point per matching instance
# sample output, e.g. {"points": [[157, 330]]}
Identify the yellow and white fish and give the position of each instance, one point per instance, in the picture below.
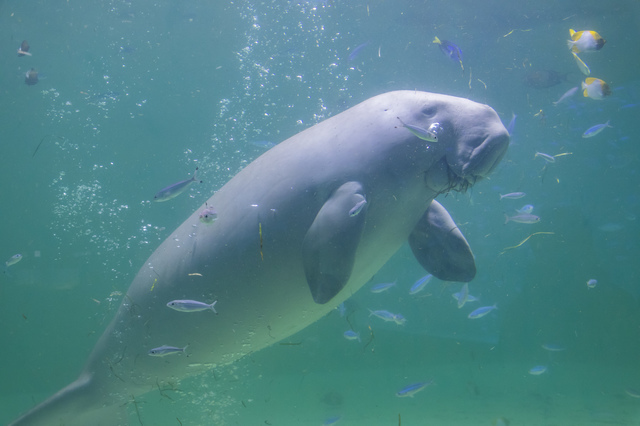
{"points": [[595, 88], [585, 41], [583, 67]]}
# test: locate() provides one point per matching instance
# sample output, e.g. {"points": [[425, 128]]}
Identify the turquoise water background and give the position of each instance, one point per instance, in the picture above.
{"points": [[134, 96]]}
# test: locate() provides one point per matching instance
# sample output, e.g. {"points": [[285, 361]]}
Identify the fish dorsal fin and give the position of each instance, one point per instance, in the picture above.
{"points": [[440, 247], [329, 247]]}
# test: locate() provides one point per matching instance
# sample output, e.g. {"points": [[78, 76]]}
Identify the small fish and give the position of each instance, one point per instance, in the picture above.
{"points": [[379, 288], [13, 260], [413, 389], [584, 68], [31, 77], [174, 190], [208, 215], [191, 306], [463, 295], [552, 347], [360, 205], [356, 51], [512, 124], [567, 95], [512, 195], [419, 285], [595, 88], [167, 350], [351, 335], [450, 49], [331, 421], [633, 393], [23, 50], [388, 316], [585, 41], [480, 312], [470, 298], [592, 131], [546, 157], [522, 218], [592, 283], [538, 370], [526, 209], [429, 135]]}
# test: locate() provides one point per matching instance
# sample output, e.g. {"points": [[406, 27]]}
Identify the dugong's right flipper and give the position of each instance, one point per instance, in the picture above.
{"points": [[440, 247], [329, 247]]}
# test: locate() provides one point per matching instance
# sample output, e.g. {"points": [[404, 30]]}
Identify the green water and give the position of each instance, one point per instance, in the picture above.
{"points": [[134, 96]]}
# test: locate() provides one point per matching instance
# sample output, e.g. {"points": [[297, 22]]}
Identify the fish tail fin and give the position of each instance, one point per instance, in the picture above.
{"points": [[571, 46], [213, 307], [436, 40], [506, 219]]}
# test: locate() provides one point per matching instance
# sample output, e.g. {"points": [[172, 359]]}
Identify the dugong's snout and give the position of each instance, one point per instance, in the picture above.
{"points": [[475, 145]]}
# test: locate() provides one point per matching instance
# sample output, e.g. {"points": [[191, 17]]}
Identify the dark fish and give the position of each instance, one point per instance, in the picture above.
{"points": [[450, 49], [23, 50], [31, 77], [543, 79]]}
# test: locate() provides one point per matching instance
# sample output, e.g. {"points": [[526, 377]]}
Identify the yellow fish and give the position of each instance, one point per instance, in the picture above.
{"points": [[595, 88], [585, 41]]}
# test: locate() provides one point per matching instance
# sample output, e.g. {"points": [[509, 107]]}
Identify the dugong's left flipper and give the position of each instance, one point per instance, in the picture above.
{"points": [[329, 247], [440, 247]]}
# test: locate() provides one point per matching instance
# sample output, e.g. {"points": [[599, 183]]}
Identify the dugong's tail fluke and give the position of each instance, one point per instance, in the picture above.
{"points": [[78, 404]]}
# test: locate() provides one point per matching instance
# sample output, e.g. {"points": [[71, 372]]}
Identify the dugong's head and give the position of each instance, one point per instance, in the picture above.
{"points": [[471, 140]]}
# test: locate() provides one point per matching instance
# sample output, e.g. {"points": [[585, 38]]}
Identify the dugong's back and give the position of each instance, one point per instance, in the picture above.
{"points": [[272, 246]]}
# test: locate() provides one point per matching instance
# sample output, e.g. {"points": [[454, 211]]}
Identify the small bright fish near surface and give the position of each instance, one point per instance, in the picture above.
{"points": [[592, 283], [595, 88], [585, 41], [429, 135], [546, 157], [165, 350], [592, 131], [13, 260], [191, 306], [174, 190], [419, 285], [567, 95], [351, 335], [538, 370], [413, 389], [480, 312], [522, 218], [512, 195], [379, 288]]}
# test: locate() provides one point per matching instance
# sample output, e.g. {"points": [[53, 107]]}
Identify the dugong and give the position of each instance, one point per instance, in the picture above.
{"points": [[297, 232]]}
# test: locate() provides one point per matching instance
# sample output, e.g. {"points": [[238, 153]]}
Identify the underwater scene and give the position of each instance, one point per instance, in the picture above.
{"points": [[121, 119]]}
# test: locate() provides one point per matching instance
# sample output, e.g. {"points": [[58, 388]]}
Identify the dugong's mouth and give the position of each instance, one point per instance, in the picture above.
{"points": [[467, 161]]}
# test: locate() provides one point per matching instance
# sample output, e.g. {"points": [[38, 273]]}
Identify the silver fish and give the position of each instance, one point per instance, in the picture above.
{"points": [[420, 284], [512, 195], [13, 260], [546, 157], [566, 95], [480, 312], [463, 295], [357, 208], [174, 190], [429, 135], [165, 350], [191, 306], [412, 389], [592, 131], [522, 218]]}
